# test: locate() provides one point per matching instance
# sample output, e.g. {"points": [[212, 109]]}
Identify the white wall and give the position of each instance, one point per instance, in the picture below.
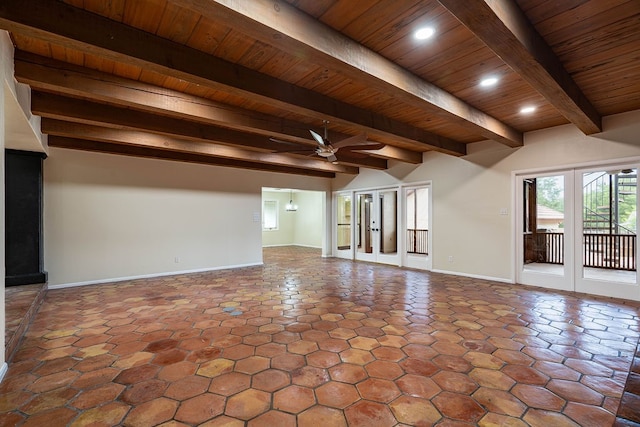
{"points": [[304, 227], [468, 192], [308, 226], [108, 217]]}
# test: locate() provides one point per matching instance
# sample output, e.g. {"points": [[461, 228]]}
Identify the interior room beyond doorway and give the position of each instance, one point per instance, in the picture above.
{"points": [[292, 217]]}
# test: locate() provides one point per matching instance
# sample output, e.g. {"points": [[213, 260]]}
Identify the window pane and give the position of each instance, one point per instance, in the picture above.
{"points": [[417, 217], [388, 222], [609, 201], [543, 224], [270, 215], [364, 213], [343, 215]]}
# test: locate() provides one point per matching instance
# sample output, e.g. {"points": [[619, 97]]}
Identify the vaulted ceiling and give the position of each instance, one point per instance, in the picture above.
{"points": [[240, 83]]}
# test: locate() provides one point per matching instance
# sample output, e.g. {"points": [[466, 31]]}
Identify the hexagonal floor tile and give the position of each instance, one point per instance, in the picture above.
{"points": [[293, 399], [248, 404], [337, 395]]}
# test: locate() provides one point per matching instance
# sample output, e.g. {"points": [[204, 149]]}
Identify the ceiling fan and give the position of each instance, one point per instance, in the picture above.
{"points": [[328, 150]]}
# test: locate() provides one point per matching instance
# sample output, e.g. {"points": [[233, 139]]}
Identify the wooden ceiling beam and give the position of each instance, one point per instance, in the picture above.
{"points": [[149, 140], [505, 29], [53, 76], [230, 123], [395, 153], [87, 32], [282, 25], [86, 112], [158, 153]]}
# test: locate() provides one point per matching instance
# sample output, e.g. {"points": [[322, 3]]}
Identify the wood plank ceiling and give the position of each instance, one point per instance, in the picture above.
{"points": [[211, 81]]}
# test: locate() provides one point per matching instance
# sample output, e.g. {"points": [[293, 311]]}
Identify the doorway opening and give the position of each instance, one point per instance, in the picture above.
{"points": [[292, 217]]}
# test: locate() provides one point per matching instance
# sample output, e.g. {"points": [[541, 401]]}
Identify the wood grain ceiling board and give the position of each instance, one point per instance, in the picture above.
{"points": [[455, 58], [112, 9], [596, 40]]}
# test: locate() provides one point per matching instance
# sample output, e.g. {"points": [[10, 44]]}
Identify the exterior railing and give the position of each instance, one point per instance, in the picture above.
{"points": [[612, 251], [418, 241], [546, 248], [616, 251]]}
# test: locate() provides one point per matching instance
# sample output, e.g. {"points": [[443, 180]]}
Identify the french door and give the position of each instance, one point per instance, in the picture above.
{"points": [[376, 226], [576, 230]]}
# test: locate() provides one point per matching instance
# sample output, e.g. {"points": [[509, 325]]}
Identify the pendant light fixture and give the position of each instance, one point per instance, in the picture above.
{"points": [[291, 207]]}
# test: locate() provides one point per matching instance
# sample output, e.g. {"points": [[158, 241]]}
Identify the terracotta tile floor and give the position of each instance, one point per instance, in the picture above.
{"points": [[321, 342], [21, 304]]}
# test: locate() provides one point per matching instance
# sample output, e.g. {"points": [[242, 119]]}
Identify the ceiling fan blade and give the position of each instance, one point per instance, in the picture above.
{"points": [[318, 138], [352, 141]]}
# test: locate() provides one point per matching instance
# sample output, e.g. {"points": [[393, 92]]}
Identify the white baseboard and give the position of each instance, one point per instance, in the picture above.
{"points": [[147, 276], [292, 244], [474, 276], [3, 370]]}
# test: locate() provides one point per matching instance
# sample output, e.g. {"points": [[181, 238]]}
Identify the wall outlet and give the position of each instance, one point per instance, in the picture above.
{"points": [[450, 259], [176, 259]]}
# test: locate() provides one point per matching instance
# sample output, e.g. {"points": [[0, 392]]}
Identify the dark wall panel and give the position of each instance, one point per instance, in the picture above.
{"points": [[23, 218]]}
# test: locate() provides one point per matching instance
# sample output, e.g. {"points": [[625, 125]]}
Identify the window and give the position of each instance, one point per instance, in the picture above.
{"points": [[270, 215]]}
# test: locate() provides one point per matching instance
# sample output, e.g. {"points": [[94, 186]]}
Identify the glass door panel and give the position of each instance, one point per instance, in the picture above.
{"points": [[343, 225], [377, 226], [544, 255], [417, 220], [388, 230], [343, 222], [608, 247], [365, 223]]}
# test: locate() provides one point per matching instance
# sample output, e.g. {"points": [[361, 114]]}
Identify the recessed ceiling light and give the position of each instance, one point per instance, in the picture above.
{"points": [[424, 33], [527, 110], [489, 81]]}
